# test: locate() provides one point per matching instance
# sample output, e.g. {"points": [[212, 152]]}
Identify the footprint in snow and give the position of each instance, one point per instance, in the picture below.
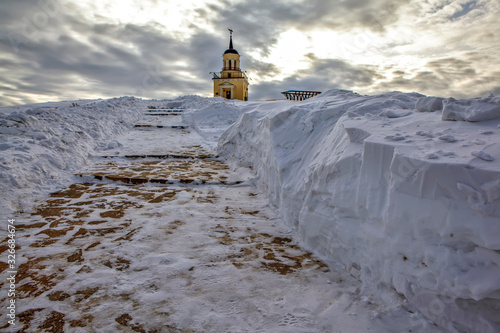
{"points": [[426, 134], [479, 142], [448, 138], [445, 153], [432, 156], [482, 155], [396, 137]]}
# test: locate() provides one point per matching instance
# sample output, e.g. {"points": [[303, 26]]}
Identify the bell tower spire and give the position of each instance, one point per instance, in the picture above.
{"points": [[230, 39]]}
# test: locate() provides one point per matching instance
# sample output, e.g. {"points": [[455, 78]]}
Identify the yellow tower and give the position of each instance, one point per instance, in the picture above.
{"points": [[231, 82]]}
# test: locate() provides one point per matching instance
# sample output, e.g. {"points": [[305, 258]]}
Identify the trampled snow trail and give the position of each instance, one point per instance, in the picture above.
{"points": [[161, 236]]}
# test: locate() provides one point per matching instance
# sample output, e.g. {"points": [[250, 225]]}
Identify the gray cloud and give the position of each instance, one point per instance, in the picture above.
{"points": [[339, 72], [266, 19], [466, 8], [49, 49], [261, 69], [308, 14], [103, 59], [322, 75], [454, 77]]}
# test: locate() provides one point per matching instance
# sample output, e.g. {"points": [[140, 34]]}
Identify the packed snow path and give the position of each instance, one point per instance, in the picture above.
{"points": [[161, 236]]}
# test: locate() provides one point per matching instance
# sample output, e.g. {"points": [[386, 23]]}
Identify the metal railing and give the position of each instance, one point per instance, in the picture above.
{"points": [[299, 95], [243, 76]]}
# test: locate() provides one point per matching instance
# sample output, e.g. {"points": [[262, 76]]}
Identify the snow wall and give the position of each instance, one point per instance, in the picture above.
{"points": [[403, 199]]}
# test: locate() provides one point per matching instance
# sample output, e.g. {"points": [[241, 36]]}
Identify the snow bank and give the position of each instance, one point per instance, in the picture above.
{"points": [[403, 200], [42, 145], [210, 117], [429, 104], [476, 109]]}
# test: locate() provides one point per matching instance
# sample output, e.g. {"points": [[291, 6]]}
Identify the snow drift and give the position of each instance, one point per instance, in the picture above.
{"points": [[404, 200], [43, 145], [210, 117], [476, 109]]}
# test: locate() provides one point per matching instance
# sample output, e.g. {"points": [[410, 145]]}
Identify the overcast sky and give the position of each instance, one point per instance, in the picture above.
{"points": [[52, 50]]}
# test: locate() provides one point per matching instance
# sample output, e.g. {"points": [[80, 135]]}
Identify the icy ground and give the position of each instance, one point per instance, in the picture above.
{"points": [[342, 213]]}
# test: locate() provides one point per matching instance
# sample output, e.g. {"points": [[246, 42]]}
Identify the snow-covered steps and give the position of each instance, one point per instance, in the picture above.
{"points": [[189, 155], [166, 122], [165, 109], [168, 171], [159, 142], [151, 141], [164, 181], [160, 126], [162, 114]]}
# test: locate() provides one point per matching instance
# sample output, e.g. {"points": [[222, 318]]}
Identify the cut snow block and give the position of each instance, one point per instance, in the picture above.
{"points": [[476, 109], [429, 104], [356, 135]]}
